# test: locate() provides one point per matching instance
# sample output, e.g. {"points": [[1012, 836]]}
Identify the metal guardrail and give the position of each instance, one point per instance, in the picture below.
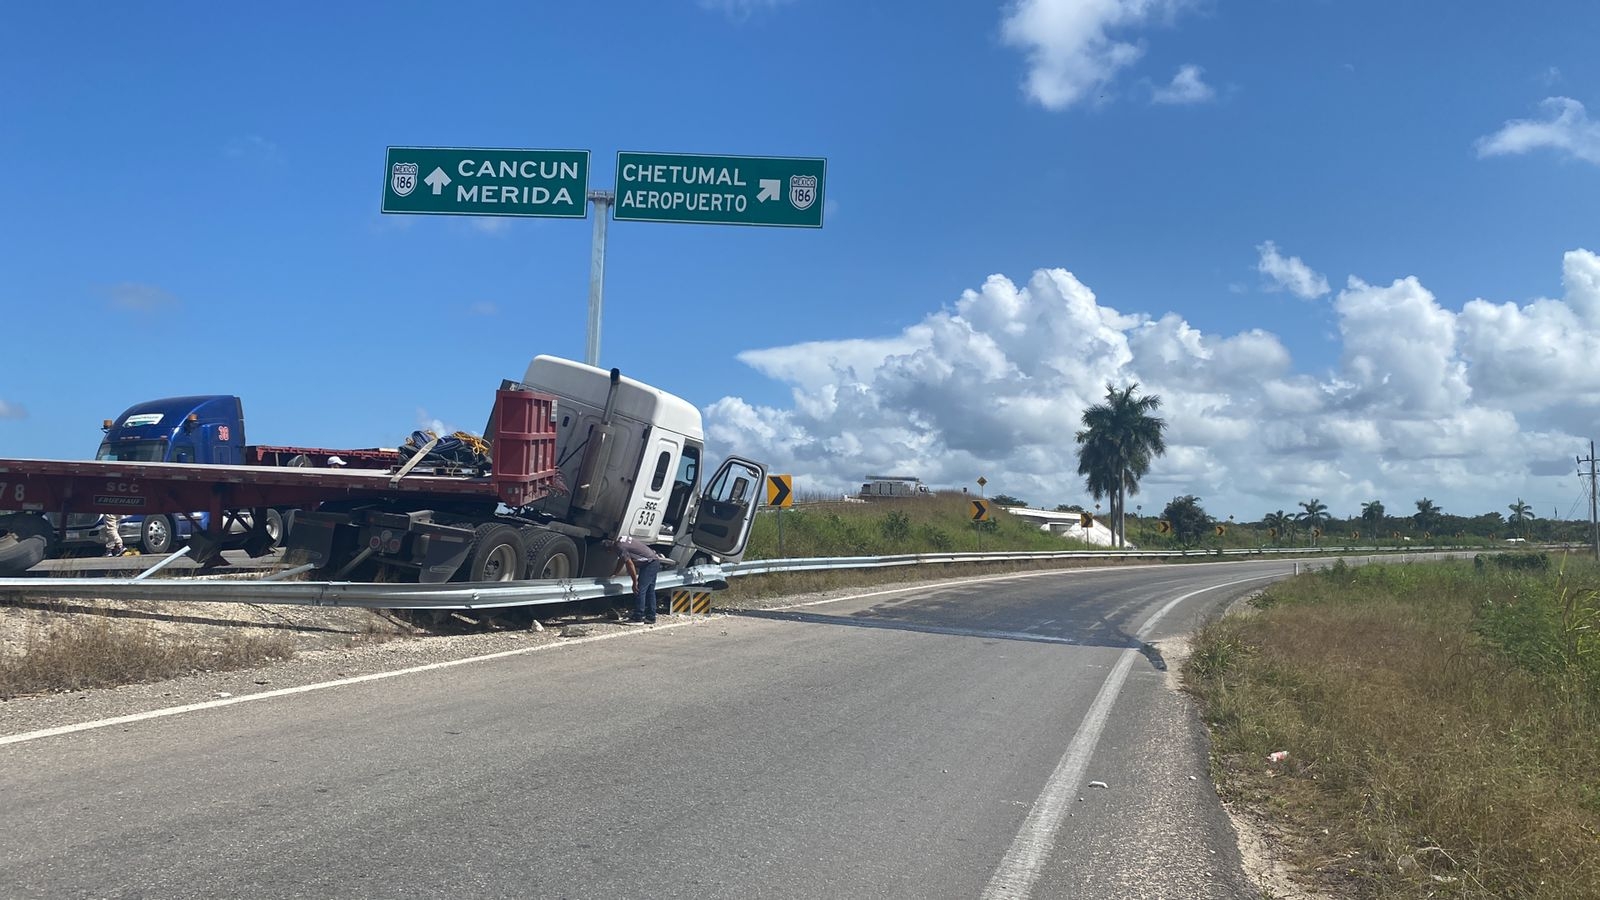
{"points": [[534, 593]]}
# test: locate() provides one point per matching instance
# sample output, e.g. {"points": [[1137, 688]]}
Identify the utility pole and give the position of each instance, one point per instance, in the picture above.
{"points": [[1594, 509]]}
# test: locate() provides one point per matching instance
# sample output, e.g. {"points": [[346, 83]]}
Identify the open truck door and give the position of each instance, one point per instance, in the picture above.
{"points": [[727, 508]]}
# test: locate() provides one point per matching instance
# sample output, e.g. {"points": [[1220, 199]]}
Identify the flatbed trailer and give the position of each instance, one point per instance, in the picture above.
{"points": [[524, 471]]}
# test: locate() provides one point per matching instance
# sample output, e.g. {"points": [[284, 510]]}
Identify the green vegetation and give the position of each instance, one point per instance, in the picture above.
{"points": [[940, 523], [1440, 722]]}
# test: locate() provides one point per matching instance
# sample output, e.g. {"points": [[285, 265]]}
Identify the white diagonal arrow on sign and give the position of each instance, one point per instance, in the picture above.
{"points": [[769, 189], [436, 179]]}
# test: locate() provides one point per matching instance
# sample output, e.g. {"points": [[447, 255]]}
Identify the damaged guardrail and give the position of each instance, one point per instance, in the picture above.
{"points": [[272, 590]]}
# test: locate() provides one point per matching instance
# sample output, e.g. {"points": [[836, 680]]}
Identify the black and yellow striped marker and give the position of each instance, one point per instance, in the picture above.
{"points": [[691, 602]]}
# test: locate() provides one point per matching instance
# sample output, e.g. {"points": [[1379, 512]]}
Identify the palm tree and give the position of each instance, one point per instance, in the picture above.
{"points": [[1119, 440], [1280, 522], [1316, 513], [1372, 516], [1427, 514], [1520, 513]]}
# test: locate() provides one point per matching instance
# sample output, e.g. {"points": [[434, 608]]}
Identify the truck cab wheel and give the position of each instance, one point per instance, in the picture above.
{"points": [[552, 556], [156, 535], [497, 554]]}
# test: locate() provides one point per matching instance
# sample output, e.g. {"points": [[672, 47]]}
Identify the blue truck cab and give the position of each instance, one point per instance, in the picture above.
{"points": [[204, 429]]}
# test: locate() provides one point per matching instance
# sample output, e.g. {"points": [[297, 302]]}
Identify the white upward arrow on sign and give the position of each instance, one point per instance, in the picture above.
{"points": [[769, 189], [436, 179]]}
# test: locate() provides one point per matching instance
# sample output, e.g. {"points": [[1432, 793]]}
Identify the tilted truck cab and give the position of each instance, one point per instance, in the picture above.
{"points": [[633, 457]]}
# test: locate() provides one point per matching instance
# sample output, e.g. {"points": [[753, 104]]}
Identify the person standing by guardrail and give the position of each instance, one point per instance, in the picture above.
{"points": [[643, 564], [113, 536]]}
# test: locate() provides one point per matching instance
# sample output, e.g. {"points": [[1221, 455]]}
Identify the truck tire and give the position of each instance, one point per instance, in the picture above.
{"points": [[275, 529], [18, 554], [497, 554], [157, 535], [552, 556]]}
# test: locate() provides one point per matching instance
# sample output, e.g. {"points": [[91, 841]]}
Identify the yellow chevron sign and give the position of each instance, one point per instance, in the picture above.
{"points": [[980, 510], [691, 602], [780, 490]]}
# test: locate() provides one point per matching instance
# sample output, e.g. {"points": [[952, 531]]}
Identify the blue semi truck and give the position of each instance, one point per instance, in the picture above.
{"points": [[204, 430]]}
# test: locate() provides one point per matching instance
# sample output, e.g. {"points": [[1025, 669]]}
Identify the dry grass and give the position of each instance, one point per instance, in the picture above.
{"points": [[71, 654], [1427, 757]]}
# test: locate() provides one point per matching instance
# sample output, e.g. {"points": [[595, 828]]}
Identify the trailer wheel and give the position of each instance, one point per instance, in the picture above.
{"points": [[275, 528], [497, 554], [19, 554], [156, 535], [552, 556]]}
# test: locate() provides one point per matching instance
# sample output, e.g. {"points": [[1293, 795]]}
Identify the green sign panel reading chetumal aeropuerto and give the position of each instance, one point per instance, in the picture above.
{"points": [[460, 181], [785, 192]]}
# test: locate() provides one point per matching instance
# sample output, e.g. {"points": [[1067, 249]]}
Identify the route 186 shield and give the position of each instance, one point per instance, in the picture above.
{"points": [[802, 191], [403, 178]]}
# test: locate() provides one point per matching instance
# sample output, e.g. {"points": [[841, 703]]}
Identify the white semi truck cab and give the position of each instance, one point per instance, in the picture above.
{"points": [[633, 458]]}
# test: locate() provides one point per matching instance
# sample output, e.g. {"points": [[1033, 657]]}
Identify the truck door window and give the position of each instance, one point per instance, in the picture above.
{"points": [[682, 487], [660, 477]]}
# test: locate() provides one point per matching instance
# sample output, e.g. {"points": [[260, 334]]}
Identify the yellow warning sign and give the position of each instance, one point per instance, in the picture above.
{"points": [[691, 602], [780, 490]]}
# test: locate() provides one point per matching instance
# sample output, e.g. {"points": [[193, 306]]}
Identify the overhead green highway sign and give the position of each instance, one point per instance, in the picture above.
{"points": [[778, 191], [460, 181]]}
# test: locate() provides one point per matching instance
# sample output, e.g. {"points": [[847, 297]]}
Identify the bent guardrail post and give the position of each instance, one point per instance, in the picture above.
{"points": [[176, 555]]}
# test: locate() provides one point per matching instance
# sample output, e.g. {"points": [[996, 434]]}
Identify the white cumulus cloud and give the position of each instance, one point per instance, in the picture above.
{"points": [[1462, 406], [1289, 273], [1076, 47], [1565, 128], [1186, 87]]}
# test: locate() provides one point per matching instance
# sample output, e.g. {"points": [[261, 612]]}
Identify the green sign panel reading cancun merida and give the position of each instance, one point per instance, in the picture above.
{"points": [[458, 181], [720, 190]]}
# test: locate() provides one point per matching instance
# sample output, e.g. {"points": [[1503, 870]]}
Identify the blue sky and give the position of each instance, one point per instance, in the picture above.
{"points": [[192, 206]]}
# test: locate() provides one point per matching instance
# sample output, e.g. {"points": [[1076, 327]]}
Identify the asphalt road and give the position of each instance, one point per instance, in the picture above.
{"points": [[922, 743]]}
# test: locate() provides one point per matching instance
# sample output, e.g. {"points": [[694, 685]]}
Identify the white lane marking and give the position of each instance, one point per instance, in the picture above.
{"points": [[306, 688], [1019, 870]]}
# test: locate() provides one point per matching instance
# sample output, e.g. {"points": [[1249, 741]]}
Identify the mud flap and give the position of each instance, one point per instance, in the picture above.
{"points": [[311, 535]]}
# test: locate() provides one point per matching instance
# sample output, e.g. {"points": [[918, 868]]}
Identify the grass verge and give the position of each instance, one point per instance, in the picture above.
{"points": [[73, 654], [1441, 723]]}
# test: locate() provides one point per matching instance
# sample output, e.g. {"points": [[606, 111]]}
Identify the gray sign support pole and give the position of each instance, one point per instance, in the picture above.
{"points": [[602, 201]]}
